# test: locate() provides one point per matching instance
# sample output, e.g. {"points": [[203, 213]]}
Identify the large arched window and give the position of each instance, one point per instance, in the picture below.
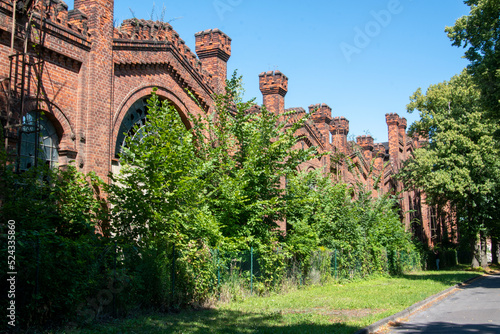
{"points": [[137, 114], [39, 142]]}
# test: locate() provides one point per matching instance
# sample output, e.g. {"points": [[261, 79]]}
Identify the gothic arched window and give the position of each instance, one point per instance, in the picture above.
{"points": [[39, 142], [136, 115]]}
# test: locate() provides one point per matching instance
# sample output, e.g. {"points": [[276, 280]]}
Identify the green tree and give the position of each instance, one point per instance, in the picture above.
{"points": [[460, 164], [158, 194], [479, 32], [250, 153], [159, 208]]}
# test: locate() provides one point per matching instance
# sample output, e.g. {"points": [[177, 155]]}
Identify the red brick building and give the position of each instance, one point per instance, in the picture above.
{"points": [[73, 79]]}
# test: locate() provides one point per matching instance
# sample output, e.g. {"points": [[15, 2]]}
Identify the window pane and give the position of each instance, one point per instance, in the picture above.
{"points": [[46, 153], [44, 140], [55, 155]]}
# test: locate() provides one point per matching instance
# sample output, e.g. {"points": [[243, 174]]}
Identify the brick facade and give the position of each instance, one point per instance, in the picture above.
{"points": [[86, 76]]}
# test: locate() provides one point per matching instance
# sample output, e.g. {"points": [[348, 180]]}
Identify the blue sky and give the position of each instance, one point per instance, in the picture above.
{"points": [[363, 58]]}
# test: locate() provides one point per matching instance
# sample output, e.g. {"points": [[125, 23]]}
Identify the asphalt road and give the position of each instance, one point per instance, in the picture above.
{"points": [[474, 308]]}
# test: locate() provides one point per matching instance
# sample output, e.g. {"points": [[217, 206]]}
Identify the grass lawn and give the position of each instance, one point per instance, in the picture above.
{"points": [[332, 308]]}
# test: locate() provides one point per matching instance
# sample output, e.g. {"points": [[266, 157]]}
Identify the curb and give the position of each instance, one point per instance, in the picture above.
{"points": [[412, 309]]}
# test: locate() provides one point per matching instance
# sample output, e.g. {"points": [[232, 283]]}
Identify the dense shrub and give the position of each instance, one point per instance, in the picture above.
{"points": [[60, 260], [367, 230]]}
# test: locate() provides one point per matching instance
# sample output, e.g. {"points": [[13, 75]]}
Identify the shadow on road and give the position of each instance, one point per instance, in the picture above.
{"points": [[445, 327], [445, 277]]}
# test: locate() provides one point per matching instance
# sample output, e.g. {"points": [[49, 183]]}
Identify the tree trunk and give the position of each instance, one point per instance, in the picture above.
{"points": [[484, 249], [494, 250], [476, 253]]}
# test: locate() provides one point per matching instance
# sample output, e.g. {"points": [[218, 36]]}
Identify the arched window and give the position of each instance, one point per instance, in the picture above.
{"points": [[134, 121], [39, 142], [137, 114]]}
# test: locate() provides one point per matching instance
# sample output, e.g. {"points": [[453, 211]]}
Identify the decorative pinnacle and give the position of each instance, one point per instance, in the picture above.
{"points": [[392, 119], [403, 123], [323, 113], [273, 83], [339, 125], [366, 142], [379, 150], [213, 43]]}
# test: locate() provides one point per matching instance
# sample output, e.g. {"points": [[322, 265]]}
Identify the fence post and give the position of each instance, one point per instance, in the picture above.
{"points": [[114, 280], [395, 261], [251, 270], [358, 266], [173, 272], [335, 264], [37, 270], [301, 274], [218, 273]]}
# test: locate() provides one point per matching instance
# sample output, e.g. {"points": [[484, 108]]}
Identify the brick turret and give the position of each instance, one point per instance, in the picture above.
{"points": [[339, 128], [322, 118], [323, 113], [402, 126], [366, 143], [213, 48], [93, 8], [402, 136], [274, 86], [379, 151], [392, 121], [405, 202]]}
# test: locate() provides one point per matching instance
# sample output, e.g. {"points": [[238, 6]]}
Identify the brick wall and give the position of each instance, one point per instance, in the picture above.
{"points": [[94, 72]]}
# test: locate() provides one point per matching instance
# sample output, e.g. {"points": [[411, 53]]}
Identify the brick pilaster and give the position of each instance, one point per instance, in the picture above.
{"points": [[95, 131], [392, 121]]}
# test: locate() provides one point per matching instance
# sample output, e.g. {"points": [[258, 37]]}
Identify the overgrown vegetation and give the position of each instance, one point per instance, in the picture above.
{"points": [[189, 206], [322, 213], [60, 259], [185, 207]]}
